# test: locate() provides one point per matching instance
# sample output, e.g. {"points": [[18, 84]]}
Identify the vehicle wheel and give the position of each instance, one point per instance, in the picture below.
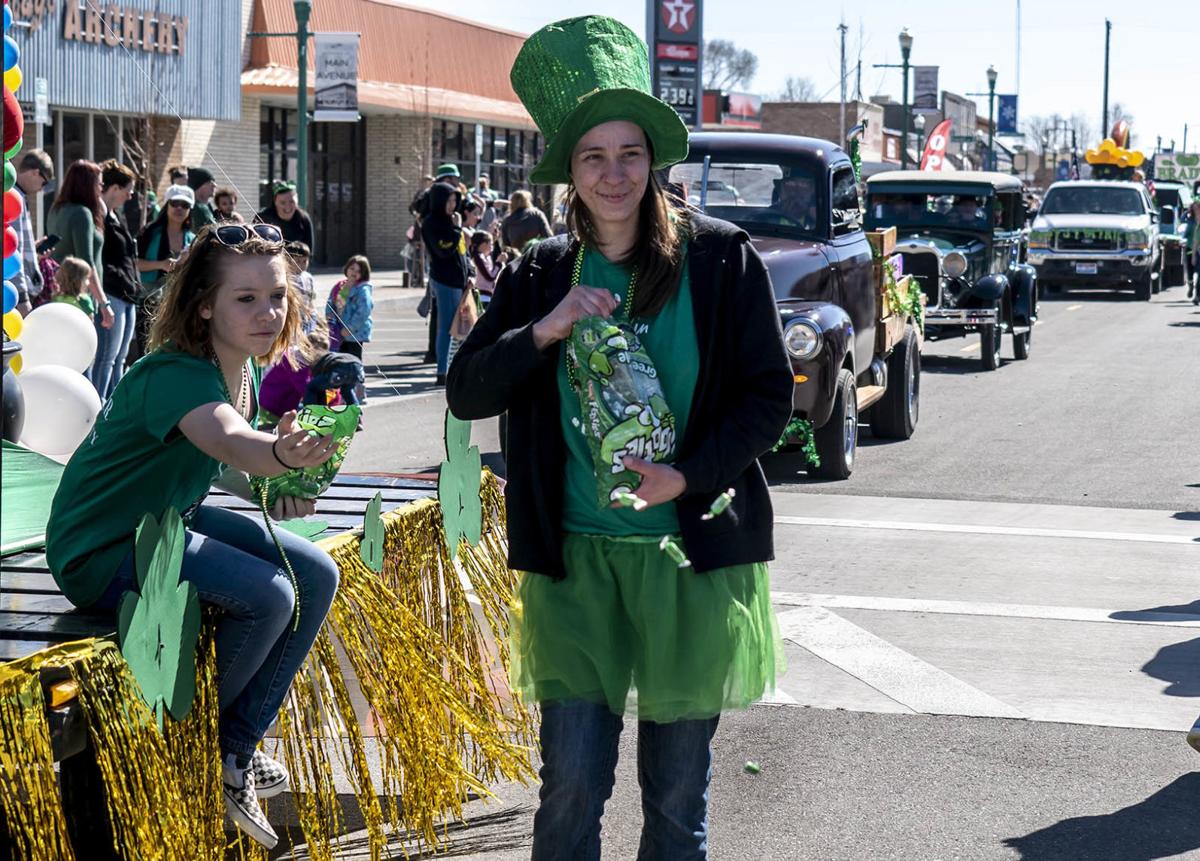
{"points": [[1021, 345], [837, 439], [989, 344], [1142, 288], [894, 416]]}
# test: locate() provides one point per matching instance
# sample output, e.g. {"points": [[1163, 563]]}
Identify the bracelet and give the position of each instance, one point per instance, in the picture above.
{"points": [[278, 458]]}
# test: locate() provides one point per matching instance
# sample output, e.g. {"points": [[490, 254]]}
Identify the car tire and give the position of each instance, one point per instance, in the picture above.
{"points": [[895, 415], [1142, 288], [1022, 344], [837, 439], [990, 337]]}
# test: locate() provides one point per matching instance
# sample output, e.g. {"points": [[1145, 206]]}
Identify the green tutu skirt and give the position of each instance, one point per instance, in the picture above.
{"points": [[630, 629]]}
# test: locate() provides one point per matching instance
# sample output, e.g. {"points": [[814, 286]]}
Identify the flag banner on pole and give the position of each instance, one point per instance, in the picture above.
{"points": [[925, 88], [934, 157], [1006, 122], [337, 77]]}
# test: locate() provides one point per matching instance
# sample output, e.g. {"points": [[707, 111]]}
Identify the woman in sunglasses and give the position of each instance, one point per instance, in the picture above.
{"points": [[160, 244], [179, 420]]}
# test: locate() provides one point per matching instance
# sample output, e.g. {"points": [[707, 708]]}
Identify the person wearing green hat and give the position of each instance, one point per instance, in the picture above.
{"points": [[669, 597], [446, 171], [285, 213]]}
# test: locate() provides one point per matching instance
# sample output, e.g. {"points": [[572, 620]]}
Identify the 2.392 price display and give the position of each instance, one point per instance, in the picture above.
{"points": [[677, 96]]}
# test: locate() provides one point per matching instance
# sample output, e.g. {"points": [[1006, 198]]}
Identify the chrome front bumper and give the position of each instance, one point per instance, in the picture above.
{"points": [[960, 316]]}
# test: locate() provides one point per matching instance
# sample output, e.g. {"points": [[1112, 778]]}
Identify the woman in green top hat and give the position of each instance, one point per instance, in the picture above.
{"points": [[603, 611]]}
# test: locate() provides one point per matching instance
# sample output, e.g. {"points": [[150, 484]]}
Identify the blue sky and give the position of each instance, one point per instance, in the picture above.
{"points": [[1062, 48]]}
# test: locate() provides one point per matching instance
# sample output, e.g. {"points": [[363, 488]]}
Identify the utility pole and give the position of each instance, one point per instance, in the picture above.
{"points": [[1107, 37], [858, 82], [906, 42], [842, 30], [1185, 125]]}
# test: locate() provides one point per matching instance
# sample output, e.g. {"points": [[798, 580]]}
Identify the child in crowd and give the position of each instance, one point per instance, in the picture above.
{"points": [[349, 309], [182, 418], [301, 256], [48, 266], [72, 280], [487, 267]]}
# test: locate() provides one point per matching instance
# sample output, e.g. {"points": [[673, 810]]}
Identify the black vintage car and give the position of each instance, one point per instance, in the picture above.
{"points": [[961, 235], [798, 199]]}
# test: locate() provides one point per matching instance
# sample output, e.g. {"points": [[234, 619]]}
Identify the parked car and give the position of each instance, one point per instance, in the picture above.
{"points": [[798, 200], [961, 235], [1097, 234], [1174, 201]]}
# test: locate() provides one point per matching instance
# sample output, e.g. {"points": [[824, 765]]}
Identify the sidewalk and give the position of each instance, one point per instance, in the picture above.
{"points": [[387, 284]]}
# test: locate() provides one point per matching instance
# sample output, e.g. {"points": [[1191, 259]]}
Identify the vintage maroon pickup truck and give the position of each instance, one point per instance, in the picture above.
{"points": [[851, 354]]}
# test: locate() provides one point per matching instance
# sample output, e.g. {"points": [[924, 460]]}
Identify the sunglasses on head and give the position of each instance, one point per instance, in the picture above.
{"points": [[236, 234]]}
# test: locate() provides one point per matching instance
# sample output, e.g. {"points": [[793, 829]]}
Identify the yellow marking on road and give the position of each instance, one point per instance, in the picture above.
{"points": [[969, 348], [1074, 307]]}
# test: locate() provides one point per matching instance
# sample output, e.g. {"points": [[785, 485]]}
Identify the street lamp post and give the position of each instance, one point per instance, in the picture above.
{"points": [[303, 9], [991, 77], [906, 41], [919, 122]]}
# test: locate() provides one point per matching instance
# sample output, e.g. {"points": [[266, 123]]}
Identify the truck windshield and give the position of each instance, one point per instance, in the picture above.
{"points": [[1092, 200], [919, 209], [767, 196]]}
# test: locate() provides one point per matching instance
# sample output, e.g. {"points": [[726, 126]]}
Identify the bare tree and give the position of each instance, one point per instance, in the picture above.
{"points": [[798, 89], [726, 65]]}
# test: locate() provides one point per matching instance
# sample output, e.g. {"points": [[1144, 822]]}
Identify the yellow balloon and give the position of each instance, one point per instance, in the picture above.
{"points": [[16, 364], [13, 78], [13, 324]]}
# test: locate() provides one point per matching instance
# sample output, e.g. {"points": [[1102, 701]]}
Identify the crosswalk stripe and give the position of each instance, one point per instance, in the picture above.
{"points": [[888, 669], [982, 529]]}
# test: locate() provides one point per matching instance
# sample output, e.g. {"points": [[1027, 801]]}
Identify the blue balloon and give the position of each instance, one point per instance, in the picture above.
{"points": [[12, 265], [7, 19], [12, 53], [10, 296]]}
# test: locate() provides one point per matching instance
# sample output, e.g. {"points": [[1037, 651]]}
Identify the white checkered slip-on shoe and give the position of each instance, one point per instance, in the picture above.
{"points": [[1193, 736], [270, 777], [241, 803]]}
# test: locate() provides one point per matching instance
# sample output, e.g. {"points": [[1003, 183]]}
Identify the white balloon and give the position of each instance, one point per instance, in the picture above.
{"points": [[57, 334], [60, 408]]}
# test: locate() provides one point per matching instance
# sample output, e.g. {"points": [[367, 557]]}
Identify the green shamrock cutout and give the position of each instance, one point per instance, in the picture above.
{"points": [[370, 549], [158, 628], [458, 486], [309, 529]]}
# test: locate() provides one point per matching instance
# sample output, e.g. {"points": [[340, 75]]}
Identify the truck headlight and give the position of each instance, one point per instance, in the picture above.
{"points": [[1137, 240], [802, 339], [954, 264], [1039, 239]]}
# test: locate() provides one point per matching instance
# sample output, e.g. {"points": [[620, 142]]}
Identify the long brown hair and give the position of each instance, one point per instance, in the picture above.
{"points": [[193, 285], [657, 255], [79, 186]]}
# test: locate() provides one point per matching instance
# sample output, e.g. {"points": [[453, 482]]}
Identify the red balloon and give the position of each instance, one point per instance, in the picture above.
{"points": [[10, 241], [12, 206], [14, 121]]}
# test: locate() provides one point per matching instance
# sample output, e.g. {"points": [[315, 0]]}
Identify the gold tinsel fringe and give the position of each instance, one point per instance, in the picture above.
{"points": [[433, 676], [29, 797]]}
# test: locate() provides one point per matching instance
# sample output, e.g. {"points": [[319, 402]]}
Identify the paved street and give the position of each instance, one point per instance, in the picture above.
{"points": [[991, 629]]}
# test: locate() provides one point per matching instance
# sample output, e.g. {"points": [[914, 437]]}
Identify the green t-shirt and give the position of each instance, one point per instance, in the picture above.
{"points": [[670, 339], [202, 216], [83, 302], [135, 461]]}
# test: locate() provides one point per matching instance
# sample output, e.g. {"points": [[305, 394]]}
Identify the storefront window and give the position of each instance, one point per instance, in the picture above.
{"points": [[74, 138], [104, 137], [506, 156]]}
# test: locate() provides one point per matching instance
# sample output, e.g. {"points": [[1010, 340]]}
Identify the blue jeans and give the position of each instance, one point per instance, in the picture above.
{"points": [[235, 565], [447, 304], [579, 756], [112, 346]]}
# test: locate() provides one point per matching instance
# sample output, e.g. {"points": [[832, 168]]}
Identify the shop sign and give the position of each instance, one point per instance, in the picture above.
{"points": [[337, 77], [114, 25], [925, 88], [1177, 167], [678, 30]]}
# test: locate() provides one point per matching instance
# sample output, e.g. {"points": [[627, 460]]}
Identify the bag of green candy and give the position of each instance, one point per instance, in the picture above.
{"points": [[621, 403], [311, 481]]}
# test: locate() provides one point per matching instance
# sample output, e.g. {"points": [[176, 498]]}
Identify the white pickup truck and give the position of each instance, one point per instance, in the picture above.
{"points": [[1097, 234]]}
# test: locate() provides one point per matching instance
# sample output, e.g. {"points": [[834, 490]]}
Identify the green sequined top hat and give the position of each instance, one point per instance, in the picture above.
{"points": [[574, 75]]}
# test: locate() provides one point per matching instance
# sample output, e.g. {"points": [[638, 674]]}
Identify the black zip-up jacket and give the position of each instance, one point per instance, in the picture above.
{"points": [[447, 265], [741, 405]]}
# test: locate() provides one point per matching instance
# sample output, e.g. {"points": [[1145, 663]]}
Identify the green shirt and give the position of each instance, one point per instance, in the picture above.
{"points": [[135, 461], [202, 216], [83, 302], [670, 339], [76, 226]]}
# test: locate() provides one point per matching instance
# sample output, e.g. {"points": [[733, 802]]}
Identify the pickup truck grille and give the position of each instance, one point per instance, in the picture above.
{"points": [[1077, 242], [924, 267]]}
